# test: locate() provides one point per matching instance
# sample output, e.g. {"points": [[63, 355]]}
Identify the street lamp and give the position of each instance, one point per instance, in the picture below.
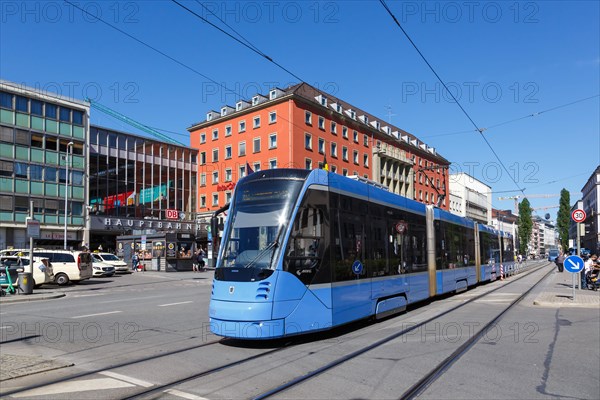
{"points": [[69, 145]]}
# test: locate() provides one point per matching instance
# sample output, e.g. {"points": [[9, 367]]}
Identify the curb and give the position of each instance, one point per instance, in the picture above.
{"points": [[22, 298]]}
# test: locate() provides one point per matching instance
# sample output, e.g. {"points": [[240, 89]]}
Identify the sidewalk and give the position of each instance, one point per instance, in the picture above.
{"points": [[39, 295], [558, 292]]}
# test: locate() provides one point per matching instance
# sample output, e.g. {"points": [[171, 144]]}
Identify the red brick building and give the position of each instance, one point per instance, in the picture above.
{"points": [[301, 127]]}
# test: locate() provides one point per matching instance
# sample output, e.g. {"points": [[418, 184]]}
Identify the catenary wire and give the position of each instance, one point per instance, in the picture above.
{"points": [[535, 114], [254, 49], [480, 130]]}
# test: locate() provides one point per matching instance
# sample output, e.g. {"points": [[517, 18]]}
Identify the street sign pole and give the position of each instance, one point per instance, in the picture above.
{"points": [[579, 255], [574, 265]]}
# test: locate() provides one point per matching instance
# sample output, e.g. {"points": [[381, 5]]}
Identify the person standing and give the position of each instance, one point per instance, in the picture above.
{"points": [[560, 262], [195, 262], [201, 257]]}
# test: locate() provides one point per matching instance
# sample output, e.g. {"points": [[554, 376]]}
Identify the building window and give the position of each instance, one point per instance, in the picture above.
{"points": [[344, 153], [21, 104], [36, 108], [77, 117], [215, 134], [321, 123], [203, 137], [203, 179], [215, 155], [6, 100], [202, 158], [256, 166], [215, 177], [242, 171], [334, 150], [215, 199], [242, 149], [307, 117], [333, 169], [51, 110], [242, 126], [256, 122], [307, 141], [256, 145], [308, 163], [345, 132], [355, 136], [345, 172], [202, 201], [273, 141], [228, 130], [272, 164], [228, 175], [333, 127], [366, 140], [272, 117], [228, 152], [321, 146], [366, 160], [355, 155], [227, 197]]}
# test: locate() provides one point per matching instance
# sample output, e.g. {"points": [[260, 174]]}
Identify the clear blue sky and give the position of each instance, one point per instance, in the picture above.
{"points": [[503, 60]]}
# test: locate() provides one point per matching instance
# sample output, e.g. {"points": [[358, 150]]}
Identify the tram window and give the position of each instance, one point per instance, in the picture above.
{"points": [[454, 245]]}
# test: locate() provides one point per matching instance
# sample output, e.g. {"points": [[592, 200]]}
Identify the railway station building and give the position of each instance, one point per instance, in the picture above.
{"points": [[302, 127]]}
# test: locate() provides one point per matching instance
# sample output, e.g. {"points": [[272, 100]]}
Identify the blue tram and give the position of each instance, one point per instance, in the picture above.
{"points": [[304, 251]]}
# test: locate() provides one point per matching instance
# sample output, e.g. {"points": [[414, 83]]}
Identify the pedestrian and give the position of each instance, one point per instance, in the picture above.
{"points": [[588, 266], [195, 262], [135, 261], [201, 256], [560, 261]]}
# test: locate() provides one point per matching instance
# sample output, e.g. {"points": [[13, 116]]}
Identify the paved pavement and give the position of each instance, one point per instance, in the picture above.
{"points": [[556, 292]]}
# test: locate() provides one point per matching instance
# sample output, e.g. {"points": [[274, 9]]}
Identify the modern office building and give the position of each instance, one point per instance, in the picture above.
{"points": [[591, 205], [302, 127], [140, 186], [44, 159]]}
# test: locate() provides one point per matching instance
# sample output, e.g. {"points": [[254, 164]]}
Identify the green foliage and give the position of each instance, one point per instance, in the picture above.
{"points": [[563, 219], [525, 225]]}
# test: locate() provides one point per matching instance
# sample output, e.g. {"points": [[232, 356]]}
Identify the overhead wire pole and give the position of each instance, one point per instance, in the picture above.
{"points": [[480, 130]]}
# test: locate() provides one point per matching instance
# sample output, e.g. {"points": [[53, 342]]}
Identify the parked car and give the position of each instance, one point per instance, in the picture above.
{"points": [[68, 265], [100, 268], [111, 259], [42, 268]]}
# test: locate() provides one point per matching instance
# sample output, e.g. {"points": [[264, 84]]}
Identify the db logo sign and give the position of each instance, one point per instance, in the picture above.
{"points": [[172, 214]]}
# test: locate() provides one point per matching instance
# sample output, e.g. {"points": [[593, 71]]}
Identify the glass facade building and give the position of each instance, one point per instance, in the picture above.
{"points": [[42, 136], [139, 185]]}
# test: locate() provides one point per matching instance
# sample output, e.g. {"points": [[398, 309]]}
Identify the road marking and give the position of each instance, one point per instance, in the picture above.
{"points": [[95, 315], [126, 378], [184, 395], [5, 327], [132, 299], [75, 386], [174, 304]]}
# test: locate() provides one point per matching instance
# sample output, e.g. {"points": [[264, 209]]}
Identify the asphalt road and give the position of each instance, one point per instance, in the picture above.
{"points": [[155, 327]]}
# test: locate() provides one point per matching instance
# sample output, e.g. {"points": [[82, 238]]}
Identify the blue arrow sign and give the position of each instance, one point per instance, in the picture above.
{"points": [[573, 264]]}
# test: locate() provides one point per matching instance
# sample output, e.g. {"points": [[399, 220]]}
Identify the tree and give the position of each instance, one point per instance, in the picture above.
{"points": [[563, 219], [525, 226]]}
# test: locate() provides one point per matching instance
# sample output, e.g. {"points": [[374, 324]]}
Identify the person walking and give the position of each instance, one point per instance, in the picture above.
{"points": [[195, 262], [201, 256], [135, 262], [560, 262]]}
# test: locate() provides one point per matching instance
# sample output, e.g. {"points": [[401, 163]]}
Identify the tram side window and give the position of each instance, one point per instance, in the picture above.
{"points": [[489, 248], [508, 252], [454, 245], [376, 251], [407, 250], [307, 251]]}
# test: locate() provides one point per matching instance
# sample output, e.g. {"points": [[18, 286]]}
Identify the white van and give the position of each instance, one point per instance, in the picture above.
{"points": [[111, 259], [68, 265]]}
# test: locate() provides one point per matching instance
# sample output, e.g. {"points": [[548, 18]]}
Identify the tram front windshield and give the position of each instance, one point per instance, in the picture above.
{"points": [[258, 218]]}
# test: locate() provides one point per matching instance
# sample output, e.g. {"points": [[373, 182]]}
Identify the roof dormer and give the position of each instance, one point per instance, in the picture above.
{"points": [[364, 119], [212, 115], [275, 93], [322, 100], [376, 124], [225, 110], [258, 99], [351, 113], [337, 107], [242, 104]]}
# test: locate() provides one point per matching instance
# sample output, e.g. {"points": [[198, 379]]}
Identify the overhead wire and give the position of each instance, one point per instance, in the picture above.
{"points": [[535, 114], [247, 45], [480, 130]]}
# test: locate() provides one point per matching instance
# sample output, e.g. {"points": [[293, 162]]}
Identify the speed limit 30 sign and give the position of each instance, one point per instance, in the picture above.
{"points": [[578, 215]]}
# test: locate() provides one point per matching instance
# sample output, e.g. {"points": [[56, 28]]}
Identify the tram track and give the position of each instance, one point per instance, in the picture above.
{"points": [[156, 390], [435, 372]]}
